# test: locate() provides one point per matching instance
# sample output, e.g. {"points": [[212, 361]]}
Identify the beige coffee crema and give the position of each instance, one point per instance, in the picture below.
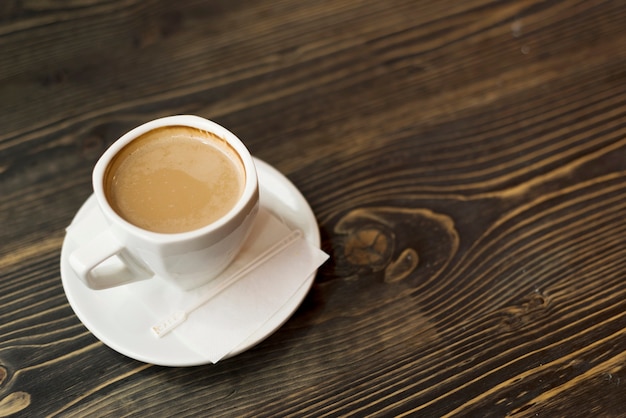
{"points": [[174, 179]]}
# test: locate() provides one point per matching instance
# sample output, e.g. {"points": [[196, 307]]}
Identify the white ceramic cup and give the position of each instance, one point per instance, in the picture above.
{"points": [[125, 253]]}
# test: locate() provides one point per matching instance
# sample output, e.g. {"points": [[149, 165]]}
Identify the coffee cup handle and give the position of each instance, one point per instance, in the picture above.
{"points": [[105, 262]]}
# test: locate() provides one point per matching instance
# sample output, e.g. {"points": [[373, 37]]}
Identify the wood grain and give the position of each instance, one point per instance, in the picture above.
{"points": [[465, 160]]}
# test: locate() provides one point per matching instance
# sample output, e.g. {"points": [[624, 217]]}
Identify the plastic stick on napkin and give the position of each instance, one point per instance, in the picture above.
{"points": [[218, 317], [178, 317]]}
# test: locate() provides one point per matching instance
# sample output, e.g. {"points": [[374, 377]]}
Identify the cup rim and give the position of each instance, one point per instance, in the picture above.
{"points": [[244, 205]]}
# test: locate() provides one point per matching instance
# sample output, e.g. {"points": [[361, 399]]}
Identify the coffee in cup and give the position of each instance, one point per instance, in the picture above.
{"points": [[174, 179]]}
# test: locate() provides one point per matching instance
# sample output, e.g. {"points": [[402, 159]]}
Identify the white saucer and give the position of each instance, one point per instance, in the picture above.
{"points": [[115, 318]]}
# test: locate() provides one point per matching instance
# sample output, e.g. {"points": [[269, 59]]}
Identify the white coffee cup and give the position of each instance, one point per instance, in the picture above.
{"points": [[126, 253]]}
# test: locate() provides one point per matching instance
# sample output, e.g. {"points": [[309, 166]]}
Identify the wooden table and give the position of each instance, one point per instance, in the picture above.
{"points": [[465, 161]]}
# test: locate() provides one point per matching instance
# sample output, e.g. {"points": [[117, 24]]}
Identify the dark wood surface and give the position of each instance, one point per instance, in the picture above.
{"points": [[466, 161]]}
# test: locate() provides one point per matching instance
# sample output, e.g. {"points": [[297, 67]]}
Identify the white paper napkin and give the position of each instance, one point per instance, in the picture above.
{"points": [[216, 318]]}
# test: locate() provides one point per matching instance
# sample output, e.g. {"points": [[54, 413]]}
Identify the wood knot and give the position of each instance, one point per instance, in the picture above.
{"points": [[394, 242], [14, 402], [369, 246], [402, 266], [528, 310]]}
